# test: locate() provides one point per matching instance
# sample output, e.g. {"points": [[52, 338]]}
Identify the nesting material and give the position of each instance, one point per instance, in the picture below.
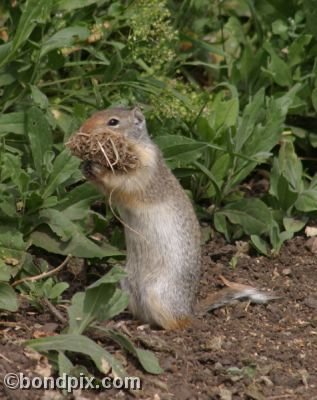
{"points": [[109, 149]]}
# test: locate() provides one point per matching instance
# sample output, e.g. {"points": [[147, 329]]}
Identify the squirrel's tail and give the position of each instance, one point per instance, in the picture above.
{"points": [[233, 292]]}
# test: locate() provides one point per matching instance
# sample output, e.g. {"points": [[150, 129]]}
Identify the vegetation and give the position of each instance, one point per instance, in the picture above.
{"points": [[229, 89]]}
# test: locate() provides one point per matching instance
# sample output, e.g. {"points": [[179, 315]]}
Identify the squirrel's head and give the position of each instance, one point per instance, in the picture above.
{"points": [[127, 122], [116, 149]]}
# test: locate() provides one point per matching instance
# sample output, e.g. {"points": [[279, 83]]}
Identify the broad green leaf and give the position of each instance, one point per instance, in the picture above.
{"points": [[277, 237], [79, 344], [307, 201], [69, 5], [293, 225], [39, 97], [285, 194], [40, 137], [250, 116], [76, 313], [297, 50], [59, 224], [65, 366], [204, 130], [252, 214], [226, 112], [8, 298], [115, 67], [310, 10], [34, 12], [5, 50], [184, 152], [12, 245], [116, 304], [66, 37], [221, 225], [113, 276], [290, 166], [12, 123], [58, 289], [260, 244], [5, 273], [87, 307], [147, 359], [75, 203], [78, 246], [64, 166], [278, 68]]}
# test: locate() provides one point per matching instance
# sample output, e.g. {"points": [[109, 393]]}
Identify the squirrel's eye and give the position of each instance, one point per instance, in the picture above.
{"points": [[113, 122]]}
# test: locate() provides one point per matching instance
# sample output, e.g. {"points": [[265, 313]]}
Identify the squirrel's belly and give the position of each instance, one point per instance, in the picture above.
{"points": [[160, 234]]}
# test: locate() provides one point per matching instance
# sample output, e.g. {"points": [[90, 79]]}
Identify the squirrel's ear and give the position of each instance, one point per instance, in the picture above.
{"points": [[139, 119]]}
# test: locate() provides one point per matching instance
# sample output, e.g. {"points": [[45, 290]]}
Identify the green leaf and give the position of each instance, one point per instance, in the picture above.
{"points": [[146, 358], [113, 70], [293, 225], [12, 123], [113, 276], [310, 10], [252, 214], [180, 147], [39, 97], [69, 5], [221, 225], [65, 366], [297, 50], [64, 166], [60, 225], [78, 246], [278, 68], [66, 37], [285, 194], [260, 244], [12, 245], [290, 165], [5, 273], [40, 137], [100, 301], [116, 304], [58, 289], [86, 307], [307, 201], [8, 298], [75, 203], [225, 112], [34, 12], [79, 344], [250, 116]]}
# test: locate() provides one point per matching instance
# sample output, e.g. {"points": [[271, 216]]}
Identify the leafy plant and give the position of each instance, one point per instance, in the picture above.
{"points": [[100, 302]]}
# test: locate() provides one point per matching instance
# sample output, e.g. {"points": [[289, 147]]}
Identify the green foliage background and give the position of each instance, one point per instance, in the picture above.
{"points": [[229, 89]]}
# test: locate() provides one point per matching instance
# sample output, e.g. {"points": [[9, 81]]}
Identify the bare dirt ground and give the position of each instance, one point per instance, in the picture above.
{"points": [[259, 352]]}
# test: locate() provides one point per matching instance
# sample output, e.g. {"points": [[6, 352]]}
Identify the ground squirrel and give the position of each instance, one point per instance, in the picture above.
{"points": [[161, 229]]}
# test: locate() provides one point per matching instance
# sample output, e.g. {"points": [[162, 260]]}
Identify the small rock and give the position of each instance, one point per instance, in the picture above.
{"points": [[311, 245], [311, 231], [214, 343], [225, 394], [287, 271], [311, 302]]}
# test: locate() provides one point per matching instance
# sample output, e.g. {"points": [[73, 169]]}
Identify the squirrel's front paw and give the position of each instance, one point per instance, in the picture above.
{"points": [[91, 170]]}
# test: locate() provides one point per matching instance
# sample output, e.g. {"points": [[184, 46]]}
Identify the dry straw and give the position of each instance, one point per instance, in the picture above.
{"points": [[109, 149]]}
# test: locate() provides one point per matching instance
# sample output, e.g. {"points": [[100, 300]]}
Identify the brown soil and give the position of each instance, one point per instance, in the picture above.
{"points": [[260, 352]]}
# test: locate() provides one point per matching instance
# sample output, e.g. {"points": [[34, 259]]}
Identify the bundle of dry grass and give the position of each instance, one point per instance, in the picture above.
{"points": [[107, 148]]}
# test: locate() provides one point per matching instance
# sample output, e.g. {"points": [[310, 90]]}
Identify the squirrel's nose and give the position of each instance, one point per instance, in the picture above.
{"points": [[93, 123]]}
